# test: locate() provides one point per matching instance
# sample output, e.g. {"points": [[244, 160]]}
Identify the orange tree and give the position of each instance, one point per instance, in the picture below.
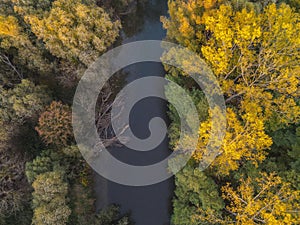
{"points": [[55, 124]]}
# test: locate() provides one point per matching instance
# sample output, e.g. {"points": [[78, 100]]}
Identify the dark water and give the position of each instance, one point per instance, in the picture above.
{"points": [[149, 205]]}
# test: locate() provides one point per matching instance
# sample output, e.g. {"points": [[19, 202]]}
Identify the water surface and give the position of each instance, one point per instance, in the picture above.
{"points": [[149, 205]]}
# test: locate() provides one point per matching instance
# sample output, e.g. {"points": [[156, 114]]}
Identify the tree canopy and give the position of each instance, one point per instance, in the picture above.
{"points": [[75, 31], [254, 55]]}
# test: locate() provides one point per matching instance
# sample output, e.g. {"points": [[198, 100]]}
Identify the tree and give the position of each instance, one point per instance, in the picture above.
{"points": [[20, 50], [264, 200], [49, 199], [254, 55], [256, 61], [75, 31], [251, 60], [28, 99], [245, 140], [55, 124], [20, 105], [37, 7], [13, 186], [41, 164], [199, 100], [294, 153], [194, 191], [25, 101], [111, 215]]}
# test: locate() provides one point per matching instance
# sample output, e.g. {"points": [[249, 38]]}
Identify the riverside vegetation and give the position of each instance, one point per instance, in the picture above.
{"points": [[252, 48]]}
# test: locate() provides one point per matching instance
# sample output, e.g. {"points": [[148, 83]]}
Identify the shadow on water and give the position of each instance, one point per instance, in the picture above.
{"points": [[149, 205]]}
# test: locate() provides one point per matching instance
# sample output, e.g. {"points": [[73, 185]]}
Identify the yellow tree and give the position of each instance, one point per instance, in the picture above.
{"points": [[37, 7], [8, 26], [245, 139], [255, 57], [264, 200], [13, 36], [75, 31]]}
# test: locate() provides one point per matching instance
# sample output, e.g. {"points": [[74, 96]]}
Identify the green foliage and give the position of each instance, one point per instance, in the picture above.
{"points": [[48, 186], [25, 101], [19, 110], [41, 164], [82, 205], [293, 3], [19, 107], [111, 216], [285, 152], [77, 32], [294, 153], [49, 199], [200, 102], [194, 192], [20, 52]]}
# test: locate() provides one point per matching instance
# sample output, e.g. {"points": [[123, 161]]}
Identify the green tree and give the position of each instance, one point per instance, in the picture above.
{"points": [[27, 99], [199, 100], [20, 105], [41, 164], [194, 192], [49, 199], [23, 102]]}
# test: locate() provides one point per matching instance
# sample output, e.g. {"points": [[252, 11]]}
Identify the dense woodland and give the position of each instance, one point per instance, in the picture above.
{"points": [[45, 46], [252, 48]]}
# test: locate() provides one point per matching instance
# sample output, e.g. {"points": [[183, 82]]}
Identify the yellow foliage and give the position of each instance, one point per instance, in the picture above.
{"points": [[267, 200], [12, 35], [245, 139], [264, 200], [9, 26], [259, 51], [75, 31], [255, 57]]}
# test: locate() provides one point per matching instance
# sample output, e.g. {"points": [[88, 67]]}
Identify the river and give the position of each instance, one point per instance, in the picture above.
{"points": [[148, 205]]}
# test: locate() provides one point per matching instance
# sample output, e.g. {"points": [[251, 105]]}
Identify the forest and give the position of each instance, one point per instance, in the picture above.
{"points": [[253, 50], [252, 47], [45, 46]]}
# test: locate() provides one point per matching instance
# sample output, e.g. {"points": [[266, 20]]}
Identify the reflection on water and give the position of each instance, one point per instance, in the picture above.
{"points": [[150, 205], [144, 23]]}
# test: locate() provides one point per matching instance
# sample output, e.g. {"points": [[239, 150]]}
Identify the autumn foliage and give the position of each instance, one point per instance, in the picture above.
{"points": [[55, 124], [252, 48], [253, 52]]}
